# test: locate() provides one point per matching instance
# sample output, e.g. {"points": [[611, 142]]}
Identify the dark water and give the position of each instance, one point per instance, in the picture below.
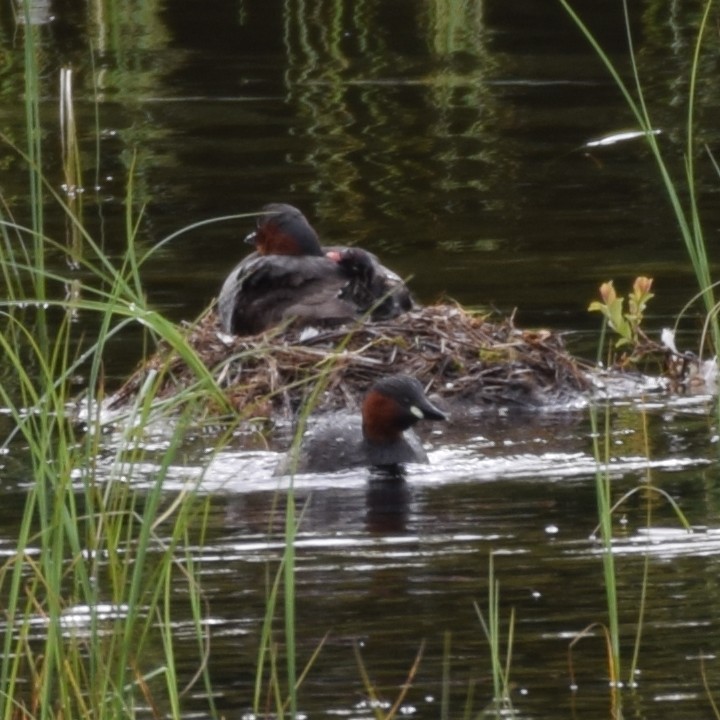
{"points": [[450, 139]]}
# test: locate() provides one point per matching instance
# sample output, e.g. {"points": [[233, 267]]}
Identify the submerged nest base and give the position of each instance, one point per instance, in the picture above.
{"points": [[459, 356]]}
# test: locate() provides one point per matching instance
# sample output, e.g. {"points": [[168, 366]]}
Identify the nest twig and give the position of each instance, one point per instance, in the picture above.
{"points": [[459, 355]]}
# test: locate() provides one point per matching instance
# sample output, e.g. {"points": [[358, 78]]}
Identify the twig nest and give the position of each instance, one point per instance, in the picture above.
{"points": [[459, 356]]}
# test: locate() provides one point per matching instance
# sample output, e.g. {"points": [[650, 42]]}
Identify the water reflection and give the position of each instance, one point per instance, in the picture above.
{"points": [[356, 113], [387, 564], [386, 500], [357, 584]]}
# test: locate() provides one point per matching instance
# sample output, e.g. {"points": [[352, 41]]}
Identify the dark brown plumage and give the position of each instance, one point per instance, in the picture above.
{"points": [[292, 278]]}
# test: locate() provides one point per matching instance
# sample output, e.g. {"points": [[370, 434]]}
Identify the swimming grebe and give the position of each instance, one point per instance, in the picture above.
{"points": [[378, 439], [291, 277]]}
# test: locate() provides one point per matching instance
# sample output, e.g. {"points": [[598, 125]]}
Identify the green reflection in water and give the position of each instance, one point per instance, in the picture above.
{"points": [[385, 122]]}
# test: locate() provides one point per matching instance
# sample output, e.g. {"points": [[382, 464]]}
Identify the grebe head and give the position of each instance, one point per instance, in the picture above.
{"points": [[283, 230], [392, 405]]}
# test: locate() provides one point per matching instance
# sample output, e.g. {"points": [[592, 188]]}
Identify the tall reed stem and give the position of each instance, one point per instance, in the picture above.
{"points": [[604, 504], [687, 214], [33, 130]]}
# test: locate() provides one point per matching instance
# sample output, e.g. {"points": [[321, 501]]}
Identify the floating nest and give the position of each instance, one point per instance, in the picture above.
{"points": [[461, 357]]}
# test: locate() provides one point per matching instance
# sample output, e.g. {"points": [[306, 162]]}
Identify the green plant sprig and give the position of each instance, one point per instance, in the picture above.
{"points": [[626, 324]]}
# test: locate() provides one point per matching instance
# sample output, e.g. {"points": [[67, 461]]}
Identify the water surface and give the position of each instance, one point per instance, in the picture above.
{"points": [[453, 144]]}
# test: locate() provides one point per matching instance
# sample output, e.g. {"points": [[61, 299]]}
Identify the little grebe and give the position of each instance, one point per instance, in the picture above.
{"points": [[378, 439], [291, 276]]}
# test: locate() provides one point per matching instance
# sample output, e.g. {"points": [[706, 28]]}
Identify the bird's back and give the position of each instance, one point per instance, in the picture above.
{"points": [[263, 291]]}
